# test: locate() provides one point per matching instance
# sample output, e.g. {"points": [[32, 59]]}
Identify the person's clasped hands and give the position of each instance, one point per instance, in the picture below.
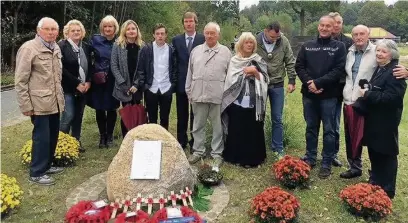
{"points": [[312, 87], [251, 71]]}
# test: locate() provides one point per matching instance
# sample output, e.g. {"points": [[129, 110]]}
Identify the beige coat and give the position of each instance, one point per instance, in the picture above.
{"points": [[206, 73], [38, 78]]}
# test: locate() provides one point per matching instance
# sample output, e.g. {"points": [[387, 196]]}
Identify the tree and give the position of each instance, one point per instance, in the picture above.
{"points": [[244, 24], [350, 17], [374, 14]]}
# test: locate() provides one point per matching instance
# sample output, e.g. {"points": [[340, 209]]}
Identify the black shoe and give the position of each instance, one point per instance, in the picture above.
{"points": [[308, 162], [324, 173], [102, 141], [350, 174], [109, 141], [336, 162], [81, 148]]}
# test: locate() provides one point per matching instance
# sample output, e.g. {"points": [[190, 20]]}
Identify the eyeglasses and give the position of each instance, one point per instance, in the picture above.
{"points": [[50, 29]]}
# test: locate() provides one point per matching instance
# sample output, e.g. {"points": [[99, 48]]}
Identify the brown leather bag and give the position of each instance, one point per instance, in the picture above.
{"points": [[100, 77]]}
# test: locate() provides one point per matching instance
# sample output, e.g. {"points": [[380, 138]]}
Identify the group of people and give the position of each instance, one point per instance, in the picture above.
{"points": [[229, 90]]}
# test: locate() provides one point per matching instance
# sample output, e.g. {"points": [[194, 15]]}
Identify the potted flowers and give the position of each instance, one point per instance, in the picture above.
{"points": [[291, 172], [209, 177], [274, 205], [366, 200], [11, 194], [66, 153]]}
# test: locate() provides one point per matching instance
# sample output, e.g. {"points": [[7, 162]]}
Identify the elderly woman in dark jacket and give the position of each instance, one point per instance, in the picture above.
{"points": [[101, 92], [382, 104], [124, 61], [76, 77]]}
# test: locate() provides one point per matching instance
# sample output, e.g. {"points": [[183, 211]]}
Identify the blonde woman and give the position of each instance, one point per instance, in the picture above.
{"points": [[243, 105], [76, 63], [124, 61], [103, 81]]}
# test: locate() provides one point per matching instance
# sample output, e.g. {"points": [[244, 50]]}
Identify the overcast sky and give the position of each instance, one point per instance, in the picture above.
{"points": [[248, 3]]}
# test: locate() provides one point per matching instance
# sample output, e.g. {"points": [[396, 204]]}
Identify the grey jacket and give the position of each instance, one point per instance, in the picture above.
{"points": [[119, 67], [206, 73]]}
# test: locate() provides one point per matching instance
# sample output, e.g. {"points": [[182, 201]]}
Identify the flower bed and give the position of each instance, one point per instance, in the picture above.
{"points": [[11, 194], [66, 153], [366, 200], [274, 205], [291, 172]]}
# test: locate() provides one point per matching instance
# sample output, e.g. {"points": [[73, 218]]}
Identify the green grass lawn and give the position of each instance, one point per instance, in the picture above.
{"points": [[7, 79], [320, 203], [403, 50]]}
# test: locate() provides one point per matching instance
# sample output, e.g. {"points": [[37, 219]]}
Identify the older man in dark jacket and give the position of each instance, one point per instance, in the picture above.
{"points": [[320, 65], [157, 76]]}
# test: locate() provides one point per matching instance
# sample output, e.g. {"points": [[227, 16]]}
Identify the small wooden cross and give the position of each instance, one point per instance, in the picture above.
{"points": [[126, 203], [189, 193], [138, 201], [162, 201], [183, 197], [150, 204], [116, 205], [173, 198]]}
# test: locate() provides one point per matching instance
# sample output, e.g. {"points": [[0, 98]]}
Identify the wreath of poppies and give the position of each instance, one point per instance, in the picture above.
{"points": [[85, 212], [161, 215], [140, 217]]}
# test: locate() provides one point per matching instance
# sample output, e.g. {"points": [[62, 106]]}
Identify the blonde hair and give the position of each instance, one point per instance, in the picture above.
{"points": [[244, 37], [109, 19], [73, 22], [122, 35]]}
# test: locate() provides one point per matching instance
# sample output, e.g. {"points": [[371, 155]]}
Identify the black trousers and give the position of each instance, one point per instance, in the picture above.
{"points": [[183, 114], [383, 171], [45, 139], [106, 121], [156, 101]]}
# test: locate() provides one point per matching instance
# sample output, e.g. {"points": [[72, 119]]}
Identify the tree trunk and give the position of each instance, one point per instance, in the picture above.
{"points": [[13, 45], [92, 19], [302, 22], [65, 12]]}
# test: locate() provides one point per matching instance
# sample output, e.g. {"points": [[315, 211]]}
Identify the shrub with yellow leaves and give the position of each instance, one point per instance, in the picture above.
{"points": [[11, 194], [66, 153]]}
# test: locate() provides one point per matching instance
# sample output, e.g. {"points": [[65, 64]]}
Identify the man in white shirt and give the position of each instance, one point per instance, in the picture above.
{"points": [[156, 75]]}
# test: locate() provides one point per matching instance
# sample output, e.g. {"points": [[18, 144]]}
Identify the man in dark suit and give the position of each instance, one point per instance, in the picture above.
{"points": [[183, 44]]}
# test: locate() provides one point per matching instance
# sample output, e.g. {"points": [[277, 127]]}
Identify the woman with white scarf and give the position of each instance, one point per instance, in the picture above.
{"points": [[76, 62], [243, 105]]}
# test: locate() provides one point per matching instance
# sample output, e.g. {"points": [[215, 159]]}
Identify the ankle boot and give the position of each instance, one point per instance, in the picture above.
{"points": [[109, 140], [102, 141]]}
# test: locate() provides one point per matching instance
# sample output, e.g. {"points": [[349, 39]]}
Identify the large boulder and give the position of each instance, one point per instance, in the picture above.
{"points": [[175, 175]]}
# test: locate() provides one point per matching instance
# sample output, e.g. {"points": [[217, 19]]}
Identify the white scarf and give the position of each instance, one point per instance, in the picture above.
{"points": [[82, 61]]}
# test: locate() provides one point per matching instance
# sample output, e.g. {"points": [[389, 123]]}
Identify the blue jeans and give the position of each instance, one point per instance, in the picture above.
{"points": [[337, 127], [276, 99], [314, 112], [45, 138], [71, 118]]}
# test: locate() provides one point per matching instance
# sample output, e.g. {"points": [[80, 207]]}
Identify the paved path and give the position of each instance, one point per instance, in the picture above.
{"points": [[92, 188], [10, 113]]}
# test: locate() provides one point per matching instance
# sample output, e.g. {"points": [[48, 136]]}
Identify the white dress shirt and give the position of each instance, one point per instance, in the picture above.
{"points": [[269, 47], [161, 76]]}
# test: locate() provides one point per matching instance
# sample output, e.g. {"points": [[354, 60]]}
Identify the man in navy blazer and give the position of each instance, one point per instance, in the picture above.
{"points": [[183, 44]]}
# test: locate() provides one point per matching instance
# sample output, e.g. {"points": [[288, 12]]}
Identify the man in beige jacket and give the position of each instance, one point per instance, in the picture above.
{"points": [[206, 74], [39, 94]]}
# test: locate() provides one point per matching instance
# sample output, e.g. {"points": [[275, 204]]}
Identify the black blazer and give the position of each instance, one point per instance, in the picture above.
{"points": [[182, 54], [384, 105], [145, 68], [70, 66]]}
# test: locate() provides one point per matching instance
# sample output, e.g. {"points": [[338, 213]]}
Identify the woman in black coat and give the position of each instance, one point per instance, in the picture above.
{"points": [[76, 77], [382, 102]]}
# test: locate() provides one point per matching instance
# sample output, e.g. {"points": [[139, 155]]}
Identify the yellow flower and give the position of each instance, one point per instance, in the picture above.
{"points": [[10, 193]]}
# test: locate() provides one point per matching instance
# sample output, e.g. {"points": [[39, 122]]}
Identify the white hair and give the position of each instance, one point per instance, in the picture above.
{"points": [[42, 20], [214, 25], [361, 26], [390, 45]]}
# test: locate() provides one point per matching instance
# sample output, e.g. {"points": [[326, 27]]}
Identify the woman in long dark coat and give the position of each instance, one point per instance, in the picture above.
{"points": [[382, 103], [243, 105], [101, 94]]}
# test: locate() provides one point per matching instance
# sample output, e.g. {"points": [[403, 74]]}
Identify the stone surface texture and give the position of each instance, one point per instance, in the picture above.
{"points": [[176, 173]]}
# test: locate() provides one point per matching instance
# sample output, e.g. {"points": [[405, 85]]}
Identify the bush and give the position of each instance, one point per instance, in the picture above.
{"points": [[291, 172], [66, 153], [366, 200], [11, 194], [274, 205]]}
